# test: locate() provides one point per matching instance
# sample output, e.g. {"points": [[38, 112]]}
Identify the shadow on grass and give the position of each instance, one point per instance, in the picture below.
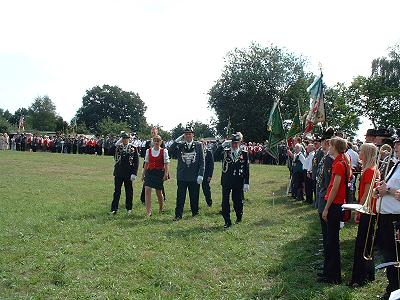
{"points": [[294, 275]]}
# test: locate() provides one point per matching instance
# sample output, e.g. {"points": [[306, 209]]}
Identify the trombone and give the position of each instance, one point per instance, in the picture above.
{"points": [[367, 208]]}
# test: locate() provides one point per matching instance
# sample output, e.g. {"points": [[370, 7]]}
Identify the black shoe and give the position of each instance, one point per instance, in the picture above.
{"points": [[113, 212], [209, 204], [227, 225], [238, 220], [195, 214], [177, 218], [327, 280]]}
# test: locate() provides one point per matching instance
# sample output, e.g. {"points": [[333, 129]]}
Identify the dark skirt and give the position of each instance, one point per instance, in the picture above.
{"points": [[154, 179]]}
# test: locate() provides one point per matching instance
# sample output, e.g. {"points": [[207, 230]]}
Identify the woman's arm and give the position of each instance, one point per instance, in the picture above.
{"points": [[166, 172], [332, 195], [146, 165], [366, 192]]}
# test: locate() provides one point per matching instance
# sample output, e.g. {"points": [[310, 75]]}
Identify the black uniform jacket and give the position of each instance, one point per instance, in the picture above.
{"points": [[235, 168], [126, 161]]}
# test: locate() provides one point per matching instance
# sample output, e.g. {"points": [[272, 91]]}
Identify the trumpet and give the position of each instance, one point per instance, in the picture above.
{"points": [[368, 205]]}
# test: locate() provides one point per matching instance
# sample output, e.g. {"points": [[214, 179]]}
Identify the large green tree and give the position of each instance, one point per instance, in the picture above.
{"points": [[340, 113], [252, 79], [378, 96], [5, 126], [201, 130], [42, 114], [111, 102]]}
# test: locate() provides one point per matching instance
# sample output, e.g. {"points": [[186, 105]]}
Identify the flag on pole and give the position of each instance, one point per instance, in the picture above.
{"points": [[317, 105], [275, 128], [21, 125], [295, 129]]}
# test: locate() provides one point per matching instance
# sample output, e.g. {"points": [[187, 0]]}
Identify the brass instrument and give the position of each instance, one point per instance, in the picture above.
{"points": [[367, 207]]}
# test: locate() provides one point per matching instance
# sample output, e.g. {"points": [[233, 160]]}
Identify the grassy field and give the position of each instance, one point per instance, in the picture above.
{"points": [[57, 240]]}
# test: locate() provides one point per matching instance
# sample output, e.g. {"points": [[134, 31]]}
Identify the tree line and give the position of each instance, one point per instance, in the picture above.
{"points": [[242, 97]]}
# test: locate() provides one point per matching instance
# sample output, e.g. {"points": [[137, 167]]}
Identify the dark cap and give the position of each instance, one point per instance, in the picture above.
{"points": [[371, 132], [188, 130], [383, 132], [235, 137], [124, 135], [327, 134]]}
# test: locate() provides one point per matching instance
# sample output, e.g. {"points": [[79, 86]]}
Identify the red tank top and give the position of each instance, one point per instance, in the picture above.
{"points": [[156, 163]]}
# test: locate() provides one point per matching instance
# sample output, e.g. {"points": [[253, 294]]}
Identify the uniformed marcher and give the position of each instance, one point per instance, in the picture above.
{"points": [[234, 177], [190, 171], [125, 171], [208, 173]]}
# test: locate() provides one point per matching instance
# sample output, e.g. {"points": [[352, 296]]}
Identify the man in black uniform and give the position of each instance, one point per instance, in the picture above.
{"points": [[148, 145], [208, 173], [234, 178], [190, 171], [125, 171]]}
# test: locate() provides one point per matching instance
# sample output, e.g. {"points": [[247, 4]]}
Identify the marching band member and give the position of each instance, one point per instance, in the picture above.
{"points": [[155, 172], [323, 177], [208, 173], [125, 171], [190, 171], [389, 201], [335, 197], [363, 270], [234, 177]]}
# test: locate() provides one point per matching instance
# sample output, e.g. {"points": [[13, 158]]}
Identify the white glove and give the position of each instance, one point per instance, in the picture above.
{"points": [[118, 142], [226, 143], [246, 188], [133, 177], [179, 138], [199, 179]]}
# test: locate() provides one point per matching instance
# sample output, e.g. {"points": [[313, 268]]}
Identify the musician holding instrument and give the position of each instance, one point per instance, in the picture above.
{"points": [[389, 201], [332, 214], [363, 267]]}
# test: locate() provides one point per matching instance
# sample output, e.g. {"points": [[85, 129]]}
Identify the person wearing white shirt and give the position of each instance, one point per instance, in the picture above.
{"points": [[307, 171], [389, 204]]}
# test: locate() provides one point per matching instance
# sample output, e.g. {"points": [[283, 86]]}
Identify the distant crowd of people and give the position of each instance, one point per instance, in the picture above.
{"points": [[105, 145]]}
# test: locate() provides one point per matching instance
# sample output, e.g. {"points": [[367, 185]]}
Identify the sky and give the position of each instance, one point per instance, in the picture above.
{"points": [[171, 52]]}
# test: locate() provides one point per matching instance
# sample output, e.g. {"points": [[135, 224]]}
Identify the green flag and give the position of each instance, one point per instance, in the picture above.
{"points": [[275, 128], [295, 129]]}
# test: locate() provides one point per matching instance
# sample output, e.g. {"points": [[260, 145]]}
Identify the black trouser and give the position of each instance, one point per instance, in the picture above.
{"points": [[194, 189], [237, 203], [333, 267], [117, 192], [309, 187], [363, 270], [324, 231], [99, 150], [205, 186], [298, 185], [142, 197], [388, 248]]}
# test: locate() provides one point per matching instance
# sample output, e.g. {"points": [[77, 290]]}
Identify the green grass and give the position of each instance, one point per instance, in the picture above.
{"points": [[57, 240]]}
